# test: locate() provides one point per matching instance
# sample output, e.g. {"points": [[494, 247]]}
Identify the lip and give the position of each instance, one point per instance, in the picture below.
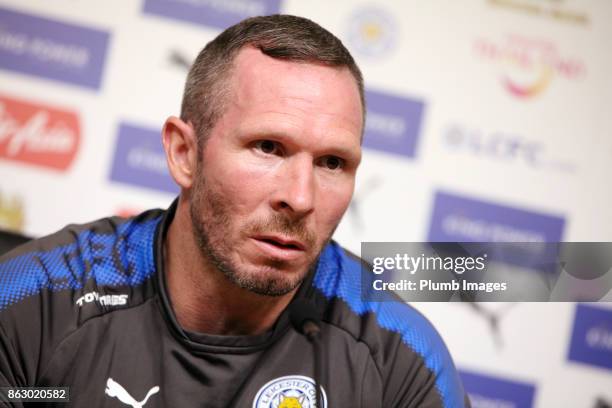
{"points": [[290, 250]]}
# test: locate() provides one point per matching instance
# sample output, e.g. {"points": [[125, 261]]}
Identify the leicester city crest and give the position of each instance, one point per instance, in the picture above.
{"points": [[372, 32], [292, 391]]}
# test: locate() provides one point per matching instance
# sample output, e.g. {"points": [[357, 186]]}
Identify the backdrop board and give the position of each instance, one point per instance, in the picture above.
{"points": [[488, 120]]}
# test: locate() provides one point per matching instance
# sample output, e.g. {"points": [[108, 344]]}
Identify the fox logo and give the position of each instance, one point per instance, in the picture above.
{"points": [[291, 402]]}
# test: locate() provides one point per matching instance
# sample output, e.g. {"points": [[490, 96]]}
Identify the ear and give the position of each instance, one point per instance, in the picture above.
{"points": [[181, 148]]}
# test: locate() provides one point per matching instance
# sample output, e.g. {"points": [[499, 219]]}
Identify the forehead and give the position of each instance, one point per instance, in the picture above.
{"points": [[323, 94]]}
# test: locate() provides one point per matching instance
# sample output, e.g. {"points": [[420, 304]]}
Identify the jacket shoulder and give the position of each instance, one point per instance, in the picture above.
{"points": [[404, 345], [110, 251], [51, 286]]}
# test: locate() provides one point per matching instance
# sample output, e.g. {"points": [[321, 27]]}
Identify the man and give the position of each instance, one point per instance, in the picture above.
{"points": [[190, 307]]}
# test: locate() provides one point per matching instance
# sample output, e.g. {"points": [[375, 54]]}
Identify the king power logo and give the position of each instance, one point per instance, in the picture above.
{"points": [[212, 13], [51, 49], [38, 134], [527, 66], [592, 337], [465, 219], [487, 391], [140, 159], [393, 123]]}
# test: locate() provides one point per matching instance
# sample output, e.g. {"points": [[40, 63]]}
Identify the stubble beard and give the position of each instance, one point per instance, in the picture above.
{"points": [[211, 221]]}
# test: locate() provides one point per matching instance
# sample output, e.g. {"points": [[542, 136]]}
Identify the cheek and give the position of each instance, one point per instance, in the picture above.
{"points": [[334, 202], [241, 185], [242, 189]]}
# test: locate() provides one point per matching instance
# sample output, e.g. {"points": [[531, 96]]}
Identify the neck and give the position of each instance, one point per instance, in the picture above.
{"points": [[202, 298]]}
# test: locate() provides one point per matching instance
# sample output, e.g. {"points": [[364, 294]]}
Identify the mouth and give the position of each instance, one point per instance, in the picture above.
{"points": [[280, 247], [281, 242]]}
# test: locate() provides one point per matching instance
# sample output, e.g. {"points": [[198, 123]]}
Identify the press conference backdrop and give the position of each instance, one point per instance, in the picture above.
{"points": [[485, 117]]}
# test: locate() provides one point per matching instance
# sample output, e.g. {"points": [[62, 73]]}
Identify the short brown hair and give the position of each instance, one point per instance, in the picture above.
{"points": [[279, 36]]}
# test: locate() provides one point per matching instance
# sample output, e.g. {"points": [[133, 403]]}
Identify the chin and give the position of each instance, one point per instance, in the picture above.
{"points": [[269, 280]]}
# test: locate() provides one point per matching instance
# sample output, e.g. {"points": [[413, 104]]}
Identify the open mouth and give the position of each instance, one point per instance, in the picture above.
{"points": [[279, 244], [279, 247]]}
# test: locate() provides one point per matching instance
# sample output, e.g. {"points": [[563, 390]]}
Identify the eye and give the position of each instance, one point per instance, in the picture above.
{"points": [[268, 147], [332, 162]]}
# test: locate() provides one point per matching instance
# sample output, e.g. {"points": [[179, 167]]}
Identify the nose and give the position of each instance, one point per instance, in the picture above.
{"points": [[295, 192]]}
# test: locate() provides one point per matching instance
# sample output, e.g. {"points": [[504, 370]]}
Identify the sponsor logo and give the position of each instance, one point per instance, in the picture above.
{"points": [[37, 134], [393, 123], [292, 391], [493, 314], [528, 65], [179, 59], [127, 212], [11, 213], [104, 300], [591, 341], [549, 9], [487, 392], [115, 390], [214, 13], [602, 403], [503, 147], [460, 219], [362, 193], [51, 49], [140, 159], [372, 32]]}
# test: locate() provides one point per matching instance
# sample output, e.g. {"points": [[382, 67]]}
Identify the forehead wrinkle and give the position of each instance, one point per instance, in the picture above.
{"points": [[311, 114], [285, 96], [316, 83], [295, 123]]}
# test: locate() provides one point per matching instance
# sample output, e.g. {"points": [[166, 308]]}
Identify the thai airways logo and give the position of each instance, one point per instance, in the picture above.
{"points": [[460, 219], [393, 123], [51, 49], [591, 341], [546, 9], [292, 391], [528, 65], [38, 134], [140, 159], [213, 13], [485, 391], [115, 390], [372, 32]]}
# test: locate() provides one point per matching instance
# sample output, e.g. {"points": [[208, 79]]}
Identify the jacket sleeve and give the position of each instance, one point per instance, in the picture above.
{"points": [[11, 373], [31, 318], [415, 364]]}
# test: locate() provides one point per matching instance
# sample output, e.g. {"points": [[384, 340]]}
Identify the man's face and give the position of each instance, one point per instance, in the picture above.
{"points": [[277, 171]]}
